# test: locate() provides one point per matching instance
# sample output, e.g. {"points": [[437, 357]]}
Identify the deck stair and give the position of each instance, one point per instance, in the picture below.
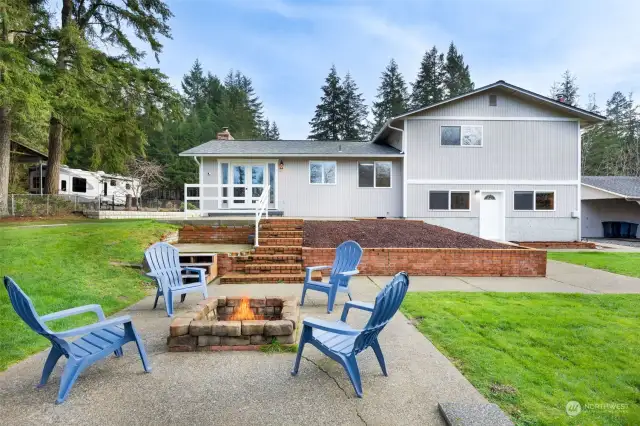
{"points": [[278, 258]]}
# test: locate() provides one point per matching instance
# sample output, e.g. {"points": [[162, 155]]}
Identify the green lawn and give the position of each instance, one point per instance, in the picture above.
{"points": [[66, 266], [618, 263], [531, 353]]}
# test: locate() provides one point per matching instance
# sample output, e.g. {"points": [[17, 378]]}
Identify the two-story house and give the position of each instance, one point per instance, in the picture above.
{"points": [[500, 162]]}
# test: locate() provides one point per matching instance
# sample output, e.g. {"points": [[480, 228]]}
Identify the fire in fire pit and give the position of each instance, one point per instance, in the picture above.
{"points": [[244, 312]]}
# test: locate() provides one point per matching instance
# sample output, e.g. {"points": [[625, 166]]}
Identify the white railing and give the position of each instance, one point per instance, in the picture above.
{"points": [[254, 206], [263, 207]]}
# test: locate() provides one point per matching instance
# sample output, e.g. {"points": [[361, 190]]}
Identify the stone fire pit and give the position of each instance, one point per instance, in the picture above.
{"points": [[218, 324]]}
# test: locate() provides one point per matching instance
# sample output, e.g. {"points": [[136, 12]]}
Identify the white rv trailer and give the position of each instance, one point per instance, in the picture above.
{"points": [[86, 186]]}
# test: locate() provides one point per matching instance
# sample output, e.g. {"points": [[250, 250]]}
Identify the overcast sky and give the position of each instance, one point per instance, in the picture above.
{"points": [[287, 47]]}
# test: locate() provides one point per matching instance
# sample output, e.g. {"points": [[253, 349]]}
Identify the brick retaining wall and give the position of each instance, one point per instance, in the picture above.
{"points": [[441, 262], [558, 244], [216, 234]]}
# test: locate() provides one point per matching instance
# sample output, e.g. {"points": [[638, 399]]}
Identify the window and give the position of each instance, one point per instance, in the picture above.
{"points": [[322, 172], [78, 184], [449, 200], [127, 186], [468, 136], [375, 174], [63, 185], [493, 100], [272, 183], [534, 200], [113, 182]]}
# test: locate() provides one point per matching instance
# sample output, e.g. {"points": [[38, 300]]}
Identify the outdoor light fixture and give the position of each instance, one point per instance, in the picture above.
{"points": [[281, 165]]}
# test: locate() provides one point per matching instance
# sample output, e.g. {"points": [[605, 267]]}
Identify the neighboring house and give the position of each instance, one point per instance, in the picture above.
{"points": [[86, 185], [609, 199], [500, 162]]}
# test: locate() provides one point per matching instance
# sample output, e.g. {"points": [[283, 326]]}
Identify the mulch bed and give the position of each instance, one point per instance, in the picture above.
{"points": [[390, 233]]}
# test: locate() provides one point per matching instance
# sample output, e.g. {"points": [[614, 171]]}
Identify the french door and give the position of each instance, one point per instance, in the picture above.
{"points": [[247, 184]]}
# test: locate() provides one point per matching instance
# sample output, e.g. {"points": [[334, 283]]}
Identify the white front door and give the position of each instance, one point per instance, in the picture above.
{"points": [[492, 215], [248, 182]]}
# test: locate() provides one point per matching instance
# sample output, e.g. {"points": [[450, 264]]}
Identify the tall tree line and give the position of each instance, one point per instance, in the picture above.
{"points": [[208, 104], [342, 112]]}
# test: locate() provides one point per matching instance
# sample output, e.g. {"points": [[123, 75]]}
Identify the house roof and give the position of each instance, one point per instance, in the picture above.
{"points": [[291, 148], [23, 153], [572, 111], [624, 186]]}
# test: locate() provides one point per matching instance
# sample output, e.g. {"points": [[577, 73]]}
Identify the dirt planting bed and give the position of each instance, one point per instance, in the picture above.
{"points": [[391, 233]]}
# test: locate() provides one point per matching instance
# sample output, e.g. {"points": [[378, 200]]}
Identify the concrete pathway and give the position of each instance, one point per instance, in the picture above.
{"points": [[244, 387], [561, 278]]}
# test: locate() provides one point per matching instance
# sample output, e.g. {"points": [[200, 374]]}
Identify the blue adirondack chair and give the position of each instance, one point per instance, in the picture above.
{"points": [[340, 342], [164, 262], [348, 255], [98, 340]]}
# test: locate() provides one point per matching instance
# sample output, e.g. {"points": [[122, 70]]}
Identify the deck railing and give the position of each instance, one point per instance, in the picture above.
{"points": [[263, 207]]}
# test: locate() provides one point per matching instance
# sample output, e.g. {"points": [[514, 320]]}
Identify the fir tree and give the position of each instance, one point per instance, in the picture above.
{"points": [[275, 132], [326, 122], [429, 86], [194, 85], [353, 112], [566, 90], [457, 79], [392, 97]]}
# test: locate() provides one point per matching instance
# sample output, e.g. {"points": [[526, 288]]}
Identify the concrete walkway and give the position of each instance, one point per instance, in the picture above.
{"points": [[244, 387]]}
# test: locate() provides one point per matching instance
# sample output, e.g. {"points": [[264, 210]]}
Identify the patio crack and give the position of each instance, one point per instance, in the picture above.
{"points": [[338, 385], [374, 283]]}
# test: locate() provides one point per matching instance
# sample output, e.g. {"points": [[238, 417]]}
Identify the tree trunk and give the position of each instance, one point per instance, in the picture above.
{"points": [[55, 125], [55, 155], [5, 154]]}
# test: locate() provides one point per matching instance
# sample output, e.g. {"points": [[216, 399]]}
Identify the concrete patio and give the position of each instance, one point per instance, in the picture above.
{"points": [[256, 388]]}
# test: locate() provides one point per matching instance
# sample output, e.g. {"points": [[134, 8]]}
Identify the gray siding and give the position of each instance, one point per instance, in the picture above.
{"points": [[523, 150], [478, 106], [210, 176], [557, 225], [297, 197], [594, 212]]}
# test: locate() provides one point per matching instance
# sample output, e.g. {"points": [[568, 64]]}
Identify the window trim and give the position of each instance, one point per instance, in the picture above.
{"points": [[448, 191], [461, 126], [375, 165], [335, 163], [534, 191]]}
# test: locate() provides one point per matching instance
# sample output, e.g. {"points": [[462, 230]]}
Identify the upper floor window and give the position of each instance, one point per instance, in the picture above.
{"points": [[322, 172], [374, 174], [468, 136], [493, 100], [534, 200]]}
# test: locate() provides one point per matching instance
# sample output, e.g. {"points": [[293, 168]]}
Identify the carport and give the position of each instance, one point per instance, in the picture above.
{"points": [[609, 199]]}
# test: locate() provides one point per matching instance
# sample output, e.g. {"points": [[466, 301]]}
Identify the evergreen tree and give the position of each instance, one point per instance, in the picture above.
{"points": [[392, 97], [566, 90], [326, 123], [353, 112], [274, 134], [194, 85], [457, 79], [429, 86], [80, 70]]}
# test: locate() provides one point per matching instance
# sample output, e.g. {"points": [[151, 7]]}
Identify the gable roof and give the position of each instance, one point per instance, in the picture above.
{"points": [[624, 186], [572, 111], [291, 148]]}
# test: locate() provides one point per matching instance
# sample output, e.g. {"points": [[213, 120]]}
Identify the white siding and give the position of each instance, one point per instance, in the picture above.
{"points": [[296, 197], [478, 106], [557, 225], [523, 150], [209, 176]]}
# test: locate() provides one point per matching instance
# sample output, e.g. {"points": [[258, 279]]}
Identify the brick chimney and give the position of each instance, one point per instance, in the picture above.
{"points": [[224, 135]]}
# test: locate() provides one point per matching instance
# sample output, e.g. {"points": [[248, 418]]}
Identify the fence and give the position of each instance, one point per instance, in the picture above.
{"points": [[38, 205]]}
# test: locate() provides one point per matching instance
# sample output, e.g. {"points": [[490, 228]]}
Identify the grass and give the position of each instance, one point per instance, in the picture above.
{"points": [[68, 266], [276, 347], [618, 263], [532, 353]]}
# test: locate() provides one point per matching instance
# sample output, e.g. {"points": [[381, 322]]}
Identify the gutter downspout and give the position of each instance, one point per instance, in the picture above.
{"points": [[404, 164]]}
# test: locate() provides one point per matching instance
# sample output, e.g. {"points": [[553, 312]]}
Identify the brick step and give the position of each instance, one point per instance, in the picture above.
{"points": [[242, 278], [283, 220], [272, 268], [295, 242], [277, 250], [267, 258], [279, 227], [279, 234]]}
